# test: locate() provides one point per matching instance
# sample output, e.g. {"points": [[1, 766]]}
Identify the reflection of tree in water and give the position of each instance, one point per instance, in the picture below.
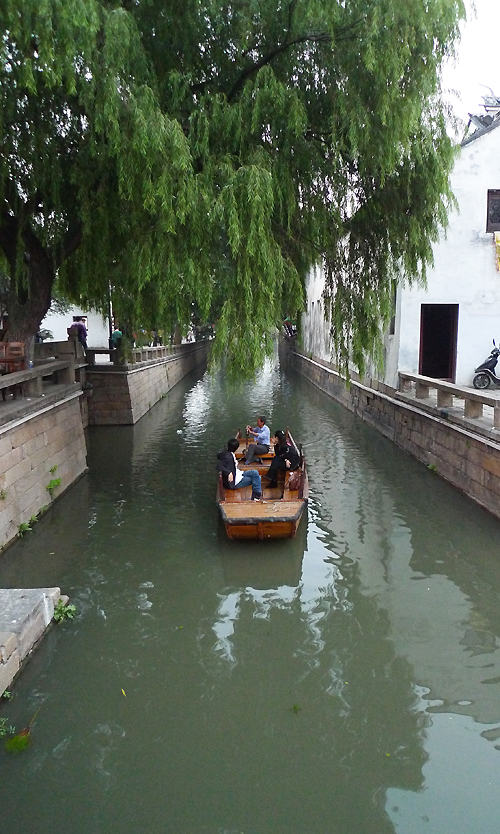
{"points": [[321, 695]]}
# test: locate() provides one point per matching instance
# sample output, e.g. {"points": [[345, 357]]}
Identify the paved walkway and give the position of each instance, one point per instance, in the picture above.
{"points": [[15, 409]]}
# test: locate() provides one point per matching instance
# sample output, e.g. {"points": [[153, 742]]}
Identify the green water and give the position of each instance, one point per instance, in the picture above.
{"points": [[345, 682]]}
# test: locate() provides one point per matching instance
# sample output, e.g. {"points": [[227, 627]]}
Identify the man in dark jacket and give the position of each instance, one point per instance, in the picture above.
{"points": [[234, 478], [285, 459]]}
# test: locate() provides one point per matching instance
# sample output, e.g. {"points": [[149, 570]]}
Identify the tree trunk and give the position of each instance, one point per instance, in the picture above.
{"points": [[177, 335], [28, 302]]}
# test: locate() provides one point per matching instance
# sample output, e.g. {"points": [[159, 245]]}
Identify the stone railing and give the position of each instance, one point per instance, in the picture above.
{"points": [[30, 381], [447, 392], [148, 354], [141, 354]]}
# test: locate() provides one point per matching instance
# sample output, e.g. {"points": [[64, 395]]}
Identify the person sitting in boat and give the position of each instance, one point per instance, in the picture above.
{"points": [[286, 459], [234, 478], [262, 436]]}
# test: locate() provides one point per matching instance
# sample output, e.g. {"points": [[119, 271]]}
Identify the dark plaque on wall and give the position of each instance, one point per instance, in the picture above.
{"points": [[493, 214]]}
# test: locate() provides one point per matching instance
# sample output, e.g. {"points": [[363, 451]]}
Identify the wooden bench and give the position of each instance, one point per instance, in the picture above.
{"points": [[238, 495], [245, 442]]}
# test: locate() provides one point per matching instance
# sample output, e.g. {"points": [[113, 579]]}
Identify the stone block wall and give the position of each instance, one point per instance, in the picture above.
{"points": [[468, 461], [29, 448], [24, 617], [121, 396], [109, 403]]}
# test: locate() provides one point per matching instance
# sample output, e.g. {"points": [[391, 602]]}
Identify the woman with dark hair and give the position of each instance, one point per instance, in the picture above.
{"points": [[285, 459], [234, 478]]}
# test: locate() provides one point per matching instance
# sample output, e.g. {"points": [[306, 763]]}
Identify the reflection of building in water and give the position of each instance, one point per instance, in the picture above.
{"points": [[430, 568]]}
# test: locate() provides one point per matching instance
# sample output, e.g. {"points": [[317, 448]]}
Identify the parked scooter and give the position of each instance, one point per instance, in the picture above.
{"points": [[485, 372]]}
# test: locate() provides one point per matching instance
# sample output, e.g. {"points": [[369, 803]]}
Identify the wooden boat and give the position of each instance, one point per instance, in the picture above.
{"points": [[278, 514]]}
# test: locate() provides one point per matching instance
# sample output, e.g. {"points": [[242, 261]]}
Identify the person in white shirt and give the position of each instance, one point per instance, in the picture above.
{"points": [[234, 478]]}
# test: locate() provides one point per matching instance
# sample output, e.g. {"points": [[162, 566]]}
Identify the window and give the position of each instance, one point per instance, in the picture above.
{"points": [[493, 212], [392, 323]]}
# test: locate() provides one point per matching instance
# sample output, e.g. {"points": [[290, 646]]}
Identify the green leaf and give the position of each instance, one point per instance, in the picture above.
{"points": [[198, 166]]}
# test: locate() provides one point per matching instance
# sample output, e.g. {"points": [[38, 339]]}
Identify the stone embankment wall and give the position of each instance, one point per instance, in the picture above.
{"points": [[51, 438], [24, 617], [121, 395], [467, 460]]}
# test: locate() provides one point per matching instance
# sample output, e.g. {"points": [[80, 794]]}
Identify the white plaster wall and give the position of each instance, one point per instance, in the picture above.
{"points": [[316, 338], [98, 331], [315, 329], [465, 271]]}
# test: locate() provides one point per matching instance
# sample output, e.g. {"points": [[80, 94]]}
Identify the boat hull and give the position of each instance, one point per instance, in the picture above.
{"points": [[262, 519]]}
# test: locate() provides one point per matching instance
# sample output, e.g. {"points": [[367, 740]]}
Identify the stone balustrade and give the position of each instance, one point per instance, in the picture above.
{"points": [[464, 450], [30, 381], [447, 395], [137, 355]]}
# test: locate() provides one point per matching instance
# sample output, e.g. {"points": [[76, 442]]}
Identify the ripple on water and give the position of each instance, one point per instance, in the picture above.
{"points": [[143, 603]]}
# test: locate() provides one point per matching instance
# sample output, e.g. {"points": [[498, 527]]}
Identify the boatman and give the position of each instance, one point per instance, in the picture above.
{"points": [[263, 438], [234, 478]]}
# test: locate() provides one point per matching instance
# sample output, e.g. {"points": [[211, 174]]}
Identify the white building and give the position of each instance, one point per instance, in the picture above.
{"points": [[446, 330], [97, 326]]}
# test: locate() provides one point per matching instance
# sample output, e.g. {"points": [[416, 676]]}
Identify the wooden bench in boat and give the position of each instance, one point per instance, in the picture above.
{"points": [[283, 490], [247, 441], [270, 511]]}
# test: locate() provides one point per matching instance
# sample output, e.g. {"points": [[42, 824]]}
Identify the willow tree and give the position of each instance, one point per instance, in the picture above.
{"points": [[209, 153]]}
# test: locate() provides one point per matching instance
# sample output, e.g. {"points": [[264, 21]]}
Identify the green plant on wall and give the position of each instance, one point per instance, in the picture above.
{"points": [[51, 486], [53, 469], [23, 528], [3, 494], [63, 611]]}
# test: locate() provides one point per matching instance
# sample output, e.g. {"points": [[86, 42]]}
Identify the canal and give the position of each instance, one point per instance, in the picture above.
{"points": [[344, 682]]}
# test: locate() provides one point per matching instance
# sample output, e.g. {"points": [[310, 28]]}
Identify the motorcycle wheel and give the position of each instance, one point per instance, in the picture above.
{"points": [[481, 381]]}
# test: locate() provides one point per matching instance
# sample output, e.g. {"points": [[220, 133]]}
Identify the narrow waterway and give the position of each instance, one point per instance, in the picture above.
{"points": [[345, 682]]}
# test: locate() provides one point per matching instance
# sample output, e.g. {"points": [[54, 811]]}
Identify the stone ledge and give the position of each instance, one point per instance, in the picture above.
{"points": [[25, 615], [8, 645], [8, 671]]}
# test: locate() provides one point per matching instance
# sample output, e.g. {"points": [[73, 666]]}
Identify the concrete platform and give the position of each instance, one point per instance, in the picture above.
{"points": [[25, 614]]}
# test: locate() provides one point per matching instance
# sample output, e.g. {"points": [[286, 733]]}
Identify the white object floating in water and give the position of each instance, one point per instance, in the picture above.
{"points": [[143, 602], [179, 431]]}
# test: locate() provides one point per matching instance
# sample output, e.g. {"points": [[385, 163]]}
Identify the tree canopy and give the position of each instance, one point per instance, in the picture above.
{"points": [[209, 153]]}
